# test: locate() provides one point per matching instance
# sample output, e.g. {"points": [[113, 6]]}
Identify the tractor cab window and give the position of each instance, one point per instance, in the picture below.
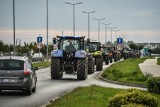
{"points": [[105, 49], [70, 45], [93, 47]]}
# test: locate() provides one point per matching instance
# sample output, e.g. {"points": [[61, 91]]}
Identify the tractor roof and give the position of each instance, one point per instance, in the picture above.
{"points": [[71, 37]]}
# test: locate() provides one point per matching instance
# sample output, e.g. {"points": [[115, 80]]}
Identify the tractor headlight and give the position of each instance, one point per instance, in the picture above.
{"points": [[82, 53], [55, 52]]}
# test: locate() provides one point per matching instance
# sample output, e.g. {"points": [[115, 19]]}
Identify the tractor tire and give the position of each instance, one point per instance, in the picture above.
{"points": [[115, 57], [82, 69], [91, 66], [111, 59], [99, 64], [106, 59], [56, 68]]}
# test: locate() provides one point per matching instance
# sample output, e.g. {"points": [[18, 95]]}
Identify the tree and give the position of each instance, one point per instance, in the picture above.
{"points": [[136, 47], [133, 46], [1, 46]]}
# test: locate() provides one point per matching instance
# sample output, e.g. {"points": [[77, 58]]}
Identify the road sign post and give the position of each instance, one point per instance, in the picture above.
{"points": [[39, 46]]}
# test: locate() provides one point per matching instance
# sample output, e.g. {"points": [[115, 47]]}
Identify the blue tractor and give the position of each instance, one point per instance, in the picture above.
{"points": [[69, 57]]}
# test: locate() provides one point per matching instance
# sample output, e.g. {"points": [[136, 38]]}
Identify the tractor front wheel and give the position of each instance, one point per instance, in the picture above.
{"points": [[82, 69], [56, 68]]}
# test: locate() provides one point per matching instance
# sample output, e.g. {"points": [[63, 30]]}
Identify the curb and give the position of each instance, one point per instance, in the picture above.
{"points": [[121, 83]]}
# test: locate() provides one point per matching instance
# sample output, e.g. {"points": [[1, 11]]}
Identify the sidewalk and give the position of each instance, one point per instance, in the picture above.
{"points": [[150, 67]]}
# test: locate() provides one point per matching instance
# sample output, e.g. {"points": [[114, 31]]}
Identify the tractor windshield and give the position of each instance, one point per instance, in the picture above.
{"points": [[93, 47], [69, 45]]}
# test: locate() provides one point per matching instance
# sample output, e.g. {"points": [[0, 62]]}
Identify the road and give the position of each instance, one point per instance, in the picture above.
{"points": [[48, 89]]}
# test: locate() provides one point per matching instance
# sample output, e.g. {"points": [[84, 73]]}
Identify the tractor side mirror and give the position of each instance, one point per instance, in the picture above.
{"points": [[54, 41], [88, 40]]}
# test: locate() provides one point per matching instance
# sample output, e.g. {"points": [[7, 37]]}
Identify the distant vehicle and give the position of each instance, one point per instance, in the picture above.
{"points": [[37, 57], [17, 73]]}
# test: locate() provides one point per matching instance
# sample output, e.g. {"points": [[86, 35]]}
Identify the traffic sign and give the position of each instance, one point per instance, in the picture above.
{"points": [[119, 40], [39, 45], [39, 39]]}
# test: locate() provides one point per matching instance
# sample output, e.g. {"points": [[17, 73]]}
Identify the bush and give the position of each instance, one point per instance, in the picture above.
{"points": [[153, 85], [133, 96], [133, 105], [158, 61]]}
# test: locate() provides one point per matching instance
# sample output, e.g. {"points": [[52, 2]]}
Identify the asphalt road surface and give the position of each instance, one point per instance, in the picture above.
{"points": [[48, 89]]}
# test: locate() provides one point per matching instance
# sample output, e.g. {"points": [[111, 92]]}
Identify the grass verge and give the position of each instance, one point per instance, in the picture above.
{"points": [[126, 71], [42, 64], [158, 61], [92, 96]]}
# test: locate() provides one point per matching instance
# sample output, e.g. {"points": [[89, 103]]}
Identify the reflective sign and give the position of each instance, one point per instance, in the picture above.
{"points": [[119, 40], [39, 45], [39, 39]]}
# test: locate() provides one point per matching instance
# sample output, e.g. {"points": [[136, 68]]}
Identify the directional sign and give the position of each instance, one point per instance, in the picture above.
{"points": [[119, 40], [39, 39], [39, 45]]}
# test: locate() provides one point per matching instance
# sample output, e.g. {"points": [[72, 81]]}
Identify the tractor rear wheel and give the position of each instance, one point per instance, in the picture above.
{"points": [[99, 64], [106, 59], [91, 65], [111, 59], [56, 68], [82, 69]]}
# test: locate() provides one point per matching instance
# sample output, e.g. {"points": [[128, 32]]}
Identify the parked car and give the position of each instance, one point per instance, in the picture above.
{"points": [[37, 57], [17, 73]]}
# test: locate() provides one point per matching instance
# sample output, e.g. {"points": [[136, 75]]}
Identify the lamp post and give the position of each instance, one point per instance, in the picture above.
{"points": [[88, 21], [14, 29], [99, 27], [47, 29], [116, 33], [106, 31], [73, 4], [111, 32]]}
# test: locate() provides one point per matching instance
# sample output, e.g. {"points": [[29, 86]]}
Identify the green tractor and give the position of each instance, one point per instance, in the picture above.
{"points": [[105, 53], [93, 48]]}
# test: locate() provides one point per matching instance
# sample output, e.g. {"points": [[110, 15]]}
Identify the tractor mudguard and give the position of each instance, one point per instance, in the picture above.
{"points": [[80, 54], [97, 53], [57, 53]]}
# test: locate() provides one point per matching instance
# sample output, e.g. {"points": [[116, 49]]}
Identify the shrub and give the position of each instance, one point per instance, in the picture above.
{"points": [[133, 96], [158, 61], [153, 85], [133, 105]]}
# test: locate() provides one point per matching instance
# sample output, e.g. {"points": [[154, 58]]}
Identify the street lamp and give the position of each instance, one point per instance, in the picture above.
{"points": [[14, 29], [116, 33], [47, 29], [111, 32], [106, 31], [73, 4], [99, 27], [88, 21]]}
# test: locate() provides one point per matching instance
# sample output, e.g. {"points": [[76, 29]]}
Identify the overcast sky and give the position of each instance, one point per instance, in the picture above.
{"points": [[139, 18]]}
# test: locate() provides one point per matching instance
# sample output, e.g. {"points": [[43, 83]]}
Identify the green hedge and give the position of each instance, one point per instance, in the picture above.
{"points": [[153, 85], [158, 61], [133, 105], [133, 96]]}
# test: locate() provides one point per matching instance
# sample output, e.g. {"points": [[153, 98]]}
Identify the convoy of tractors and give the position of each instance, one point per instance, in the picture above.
{"points": [[75, 55]]}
